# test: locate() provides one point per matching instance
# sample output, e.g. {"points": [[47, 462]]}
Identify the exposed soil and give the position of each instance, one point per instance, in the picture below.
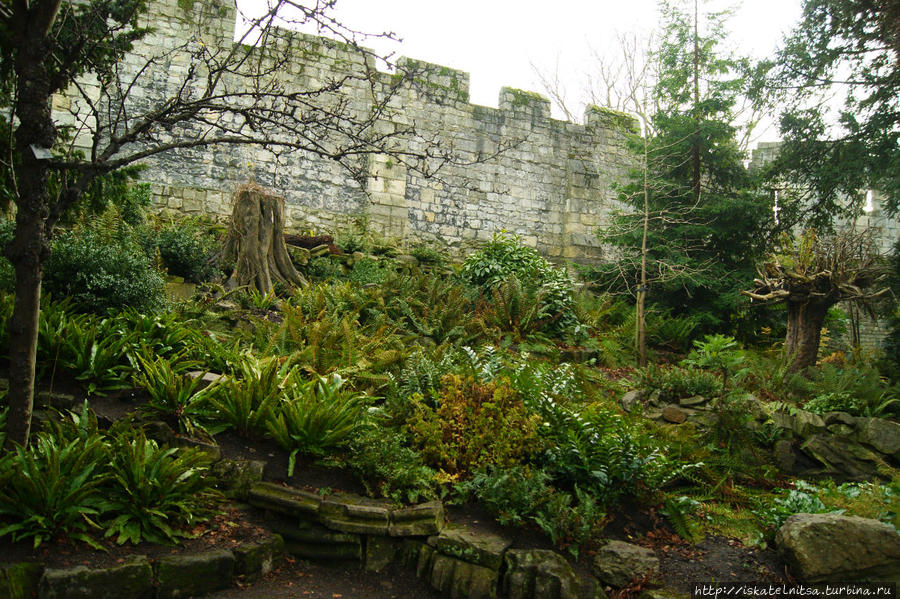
{"points": [[308, 475], [232, 527]]}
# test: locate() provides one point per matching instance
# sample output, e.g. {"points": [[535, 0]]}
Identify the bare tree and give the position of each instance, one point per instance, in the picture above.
{"points": [[812, 275], [676, 232], [623, 79], [210, 91]]}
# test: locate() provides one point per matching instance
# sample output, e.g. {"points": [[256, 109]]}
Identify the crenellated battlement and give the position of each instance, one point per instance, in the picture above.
{"points": [[553, 186]]}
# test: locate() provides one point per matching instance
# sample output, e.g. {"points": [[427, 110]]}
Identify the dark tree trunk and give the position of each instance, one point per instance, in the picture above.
{"points": [[257, 241], [804, 332], [28, 249]]}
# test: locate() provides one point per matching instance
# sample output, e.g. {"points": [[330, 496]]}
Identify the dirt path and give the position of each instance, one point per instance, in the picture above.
{"points": [[302, 579]]}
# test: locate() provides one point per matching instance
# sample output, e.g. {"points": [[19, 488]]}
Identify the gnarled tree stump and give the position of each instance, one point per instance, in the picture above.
{"points": [[256, 241]]}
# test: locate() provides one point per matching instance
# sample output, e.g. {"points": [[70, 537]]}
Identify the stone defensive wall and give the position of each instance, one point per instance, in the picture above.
{"points": [[554, 186]]}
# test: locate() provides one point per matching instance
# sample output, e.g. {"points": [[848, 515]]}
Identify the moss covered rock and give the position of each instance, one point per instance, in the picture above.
{"points": [[836, 548], [19, 581], [191, 575], [131, 580], [254, 560]]}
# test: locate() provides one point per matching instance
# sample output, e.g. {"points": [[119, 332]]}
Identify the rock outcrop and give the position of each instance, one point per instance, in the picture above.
{"points": [[836, 548]]}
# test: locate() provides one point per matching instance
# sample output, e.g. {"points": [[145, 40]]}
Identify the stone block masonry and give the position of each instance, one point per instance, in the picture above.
{"points": [[554, 187]]}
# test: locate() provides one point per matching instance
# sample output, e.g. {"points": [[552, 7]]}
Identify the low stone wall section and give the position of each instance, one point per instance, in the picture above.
{"points": [[455, 560], [170, 577]]}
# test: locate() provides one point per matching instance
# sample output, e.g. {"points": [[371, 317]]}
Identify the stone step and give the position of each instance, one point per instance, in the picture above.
{"points": [[350, 513]]}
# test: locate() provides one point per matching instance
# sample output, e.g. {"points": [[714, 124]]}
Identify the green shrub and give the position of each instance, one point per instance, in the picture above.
{"points": [[188, 250], [324, 268], [518, 309], [673, 332], [329, 342], [246, 399], [866, 499], [252, 298], [504, 257], [610, 323], [474, 425], [425, 254], [430, 306], [858, 390], [802, 499], [514, 494], [418, 380], [769, 376], [94, 356], [388, 467], [353, 240], [367, 271], [674, 382], [571, 525], [173, 395], [519, 495], [601, 452], [720, 354], [100, 274], [166, 334], [75, 480], [539, 381], [845, 401]]}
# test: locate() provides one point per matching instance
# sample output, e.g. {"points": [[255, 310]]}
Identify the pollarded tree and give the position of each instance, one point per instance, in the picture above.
{"points": [[209, 91], [812, 275]]}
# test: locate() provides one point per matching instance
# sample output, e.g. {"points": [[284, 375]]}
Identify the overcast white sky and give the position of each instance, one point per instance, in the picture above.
{"points": [[498, 41]]}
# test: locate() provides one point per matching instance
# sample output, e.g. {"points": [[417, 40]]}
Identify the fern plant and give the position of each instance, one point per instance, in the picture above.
{"points": [[600, 452], [155, 492], [514, 494], [174, 395], [720, 354], [516, 309], [431, 306], [858, 390], [166, 334], [330, 344], [571, 524], [319, 416], [246, 399], [669, 331], [50, 488], [94, 356], [678, 510], [254, 298], [53, 322]]}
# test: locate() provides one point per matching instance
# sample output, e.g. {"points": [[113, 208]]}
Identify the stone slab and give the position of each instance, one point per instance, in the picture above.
{"points": [[182, 576], [131, 580], [479, 548], [284, 500]]}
